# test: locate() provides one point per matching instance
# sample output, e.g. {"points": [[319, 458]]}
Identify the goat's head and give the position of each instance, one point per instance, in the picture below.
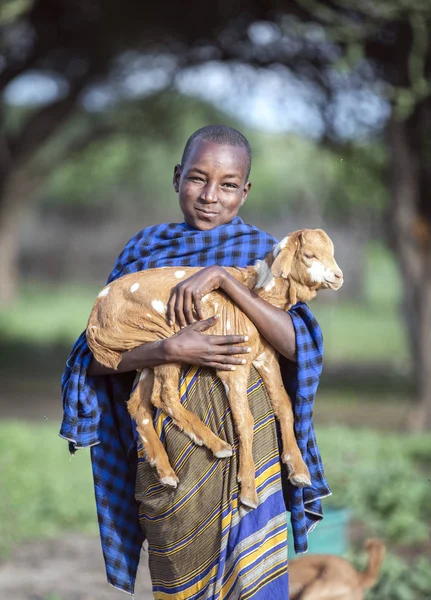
{"points": [[307, 256]]}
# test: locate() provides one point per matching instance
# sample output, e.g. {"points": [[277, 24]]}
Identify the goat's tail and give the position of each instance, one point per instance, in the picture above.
{"points": [[376, 554], [104, 355]]}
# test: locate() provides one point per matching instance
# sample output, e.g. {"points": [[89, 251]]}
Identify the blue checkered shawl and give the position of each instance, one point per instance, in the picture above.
{"points": [[95, 412]]}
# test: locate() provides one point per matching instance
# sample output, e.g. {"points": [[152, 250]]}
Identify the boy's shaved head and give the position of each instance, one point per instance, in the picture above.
{"points": [[220, 134]]}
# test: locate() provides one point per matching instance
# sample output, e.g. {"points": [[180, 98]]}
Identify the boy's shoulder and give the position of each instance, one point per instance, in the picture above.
{"points": [[154, 231]]}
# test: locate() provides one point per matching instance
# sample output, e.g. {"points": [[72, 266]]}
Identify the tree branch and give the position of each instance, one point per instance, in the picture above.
{"points": [[42, 124]]}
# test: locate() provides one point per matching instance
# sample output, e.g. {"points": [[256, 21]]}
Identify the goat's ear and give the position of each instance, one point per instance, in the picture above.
{"points": [[282, 264], [301, 237]]}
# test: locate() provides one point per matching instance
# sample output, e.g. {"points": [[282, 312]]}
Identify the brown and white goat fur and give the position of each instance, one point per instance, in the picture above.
{"points": [[131, 311], [328, 577]]}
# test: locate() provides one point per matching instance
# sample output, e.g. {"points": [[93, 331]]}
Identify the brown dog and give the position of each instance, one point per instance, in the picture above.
{"points": [[327, 577]]}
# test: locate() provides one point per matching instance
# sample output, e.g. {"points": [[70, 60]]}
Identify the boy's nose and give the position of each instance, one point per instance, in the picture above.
{"points": [[209, 194]]}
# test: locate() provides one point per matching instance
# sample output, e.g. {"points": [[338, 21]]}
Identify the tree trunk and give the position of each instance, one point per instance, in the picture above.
{"points": [[420, 415], [15, 195], [8, 259], [412, 245], [10, 214]]}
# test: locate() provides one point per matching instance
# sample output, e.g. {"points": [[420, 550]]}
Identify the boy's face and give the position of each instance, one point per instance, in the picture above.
{"points": [[212, 185]]}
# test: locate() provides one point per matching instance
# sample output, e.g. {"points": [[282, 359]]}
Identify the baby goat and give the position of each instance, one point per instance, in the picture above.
{"points": [[131, 311]]}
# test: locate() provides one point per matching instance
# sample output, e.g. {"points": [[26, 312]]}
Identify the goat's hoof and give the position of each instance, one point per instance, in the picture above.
{"points": [[300, 480], [169, 481], [224, 452], [250, 501]]}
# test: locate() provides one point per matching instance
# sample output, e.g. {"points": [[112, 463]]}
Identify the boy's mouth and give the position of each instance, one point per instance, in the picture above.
{"points": [[206, 213]]}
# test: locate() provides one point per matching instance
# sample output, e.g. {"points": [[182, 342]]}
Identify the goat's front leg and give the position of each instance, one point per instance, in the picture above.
{"points": [[140, 409], [268, 368], [166, 396], [235, 385]]}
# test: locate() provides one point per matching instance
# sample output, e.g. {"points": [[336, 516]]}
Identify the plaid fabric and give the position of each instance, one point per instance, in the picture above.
{"points": [[301, 380], [95, 412]]}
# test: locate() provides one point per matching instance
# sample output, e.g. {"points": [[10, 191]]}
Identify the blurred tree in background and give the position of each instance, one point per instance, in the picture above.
{"points": [[93, 51]]}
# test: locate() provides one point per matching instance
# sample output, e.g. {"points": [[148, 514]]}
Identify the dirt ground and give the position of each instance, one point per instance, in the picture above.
{"points": [[70, 568]]}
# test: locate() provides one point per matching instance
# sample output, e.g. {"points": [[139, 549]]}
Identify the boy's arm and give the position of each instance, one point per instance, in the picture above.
{"points": [[273, 323], [190, 346]]}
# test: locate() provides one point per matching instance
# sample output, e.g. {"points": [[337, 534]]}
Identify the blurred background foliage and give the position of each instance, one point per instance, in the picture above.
{"points": [[96, 103]]}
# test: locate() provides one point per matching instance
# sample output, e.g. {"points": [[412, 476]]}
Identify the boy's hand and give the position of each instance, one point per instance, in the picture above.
{"points": [[191, 346], [188, 294]]}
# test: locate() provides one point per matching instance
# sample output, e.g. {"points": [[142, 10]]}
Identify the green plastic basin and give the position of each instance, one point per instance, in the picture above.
{"points": [[330, 536]]}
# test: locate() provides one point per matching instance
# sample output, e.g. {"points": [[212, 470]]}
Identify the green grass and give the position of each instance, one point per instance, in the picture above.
{"points": [[44, 491], [383, 283], [382, 477], [48, 314], [372, 331], [362, 333]]}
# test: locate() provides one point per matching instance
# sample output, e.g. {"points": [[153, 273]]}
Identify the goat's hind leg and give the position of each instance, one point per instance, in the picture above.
{"points": [[167, 397], [236, 390], [299, 474], [140, 409]]}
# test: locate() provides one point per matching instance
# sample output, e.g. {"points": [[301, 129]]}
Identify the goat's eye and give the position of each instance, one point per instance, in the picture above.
{"points": [[309, 255]]}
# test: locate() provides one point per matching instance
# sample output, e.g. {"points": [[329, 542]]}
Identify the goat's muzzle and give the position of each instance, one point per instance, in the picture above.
{"points": [[336, 281]]}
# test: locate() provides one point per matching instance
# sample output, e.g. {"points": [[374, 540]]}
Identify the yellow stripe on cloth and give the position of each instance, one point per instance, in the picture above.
{"points": [[201, 541], [248, 558]]}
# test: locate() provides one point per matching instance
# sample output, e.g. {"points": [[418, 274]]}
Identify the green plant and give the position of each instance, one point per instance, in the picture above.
{"points": [[377, 476], [399, 581], [44, 491]]}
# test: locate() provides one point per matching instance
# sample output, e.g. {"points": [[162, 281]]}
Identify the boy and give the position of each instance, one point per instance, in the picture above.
{"points": [[202, 543]]}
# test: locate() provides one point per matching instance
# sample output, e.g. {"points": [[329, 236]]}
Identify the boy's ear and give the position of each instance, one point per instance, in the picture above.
{"points": [[176, 178], [246, 191], [282, 264]]}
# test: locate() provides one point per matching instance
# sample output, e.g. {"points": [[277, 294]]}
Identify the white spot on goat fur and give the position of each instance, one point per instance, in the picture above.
{"points": [[269, 285], [145, 421], [135, 287], [179, 274], [104, 292], [279, 247], [259, 361], [264, 274], [195, 439], [143, 438], [317, 271], [206, 298], [226, 387], [159, 306], [227, 325]]}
